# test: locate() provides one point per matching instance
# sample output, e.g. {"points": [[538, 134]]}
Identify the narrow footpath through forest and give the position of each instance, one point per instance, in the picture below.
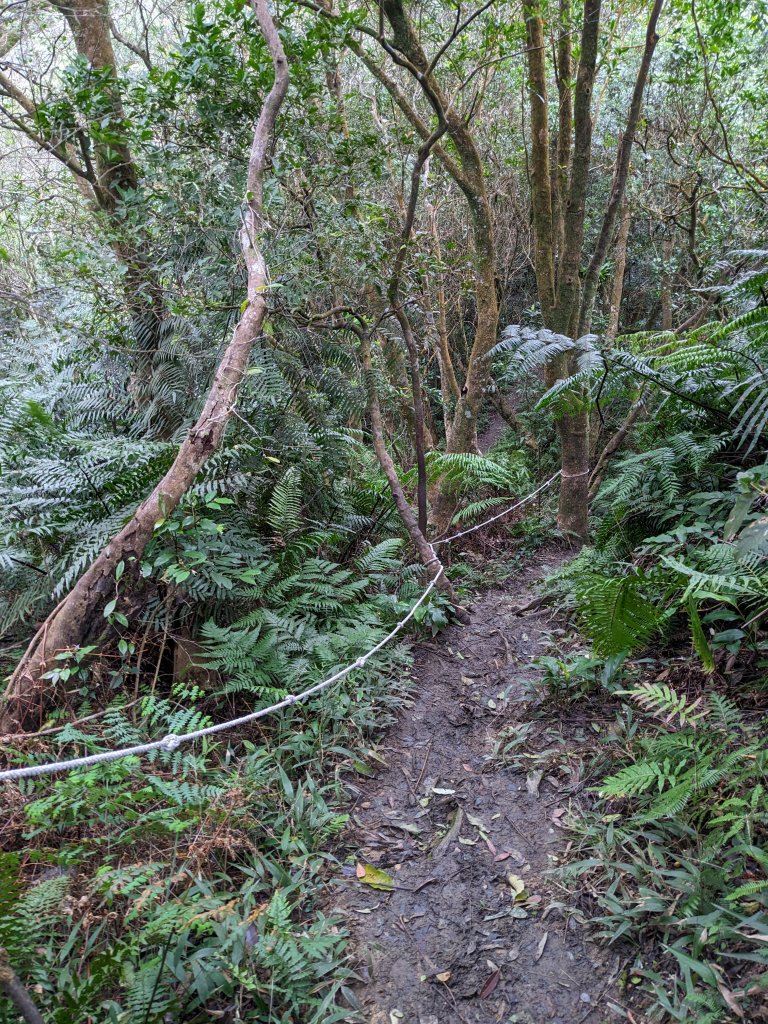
{"points": [[465, 936]]}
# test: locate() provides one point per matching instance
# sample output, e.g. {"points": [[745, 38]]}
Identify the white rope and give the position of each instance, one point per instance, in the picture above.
{"points": [[518, 504], [173, 742]]}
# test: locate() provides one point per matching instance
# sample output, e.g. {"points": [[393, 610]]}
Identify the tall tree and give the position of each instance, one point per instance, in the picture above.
{"points": [[558, 202], [81, 611], [101, 162]]}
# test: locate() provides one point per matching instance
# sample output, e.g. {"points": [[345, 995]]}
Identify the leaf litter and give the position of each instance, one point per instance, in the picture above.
{"points": [[473, 875]]}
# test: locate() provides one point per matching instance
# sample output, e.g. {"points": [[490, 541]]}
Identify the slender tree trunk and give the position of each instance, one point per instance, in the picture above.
{"points": [[614, 444], [419, 442], [666, 285], [541, 191], [28, 692], [418, 539], [621, 174], [468, 173], [617, 285], [449, 385], [565, 121]]}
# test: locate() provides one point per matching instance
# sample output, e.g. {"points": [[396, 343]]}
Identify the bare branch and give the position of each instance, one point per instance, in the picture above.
{"points": [[140, 52]]}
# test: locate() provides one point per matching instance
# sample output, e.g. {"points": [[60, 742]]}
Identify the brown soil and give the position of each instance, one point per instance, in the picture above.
{"points": [[451, 944]]}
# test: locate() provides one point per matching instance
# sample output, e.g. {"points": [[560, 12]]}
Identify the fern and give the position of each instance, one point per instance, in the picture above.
{"points": [[284, 514], [661, 700], [616, 615]]}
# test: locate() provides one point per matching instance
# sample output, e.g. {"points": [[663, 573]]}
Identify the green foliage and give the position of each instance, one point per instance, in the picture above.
{"points": [[198, 873], [616, 615], [673, 849], [676, 849], [467, 476]]}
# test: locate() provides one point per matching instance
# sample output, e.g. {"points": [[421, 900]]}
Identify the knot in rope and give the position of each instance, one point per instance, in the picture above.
{"points": [[171, 742]]}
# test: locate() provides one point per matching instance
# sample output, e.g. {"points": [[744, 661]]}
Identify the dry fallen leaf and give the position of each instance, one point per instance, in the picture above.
{"points": [[501, 856], [730, 999], [490, 984], [541, 947], [443, 976], [518, 886]]}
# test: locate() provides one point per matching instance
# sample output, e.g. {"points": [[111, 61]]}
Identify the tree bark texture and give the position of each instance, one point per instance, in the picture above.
{"points": [[620, 264]]}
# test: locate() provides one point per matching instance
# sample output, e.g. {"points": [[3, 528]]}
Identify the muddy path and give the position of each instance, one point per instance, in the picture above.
{"points": [[459, 833]]}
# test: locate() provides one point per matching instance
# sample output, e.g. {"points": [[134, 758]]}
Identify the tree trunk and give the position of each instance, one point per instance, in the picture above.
{"points": [[468, 173], [28, 693], [88, 21], [559, 221], [621, 174], [449, 385], [15, 991], [617, 285], [541, 189], [116, 176], [423, 548], [566, 303], [666, 285]]}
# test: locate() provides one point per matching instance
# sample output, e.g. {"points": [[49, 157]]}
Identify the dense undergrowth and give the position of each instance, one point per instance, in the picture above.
{"points": [[187, 886], [670, 855]]}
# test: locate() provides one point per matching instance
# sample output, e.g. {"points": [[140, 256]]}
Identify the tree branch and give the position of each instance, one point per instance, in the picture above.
{"points": [[140, 52], [13, 988], [417, 123]]}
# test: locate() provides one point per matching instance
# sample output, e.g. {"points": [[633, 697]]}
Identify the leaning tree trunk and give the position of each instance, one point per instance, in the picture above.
{"points": [[71, 621], [423, 548]]}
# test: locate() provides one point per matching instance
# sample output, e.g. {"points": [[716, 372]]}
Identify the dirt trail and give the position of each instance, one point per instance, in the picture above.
{"points": [[452, 944]]}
